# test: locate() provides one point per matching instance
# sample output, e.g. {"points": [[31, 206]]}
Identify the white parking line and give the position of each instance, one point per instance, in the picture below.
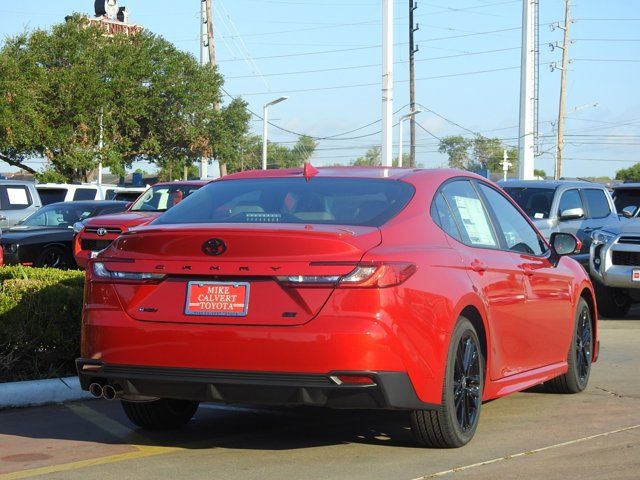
{"points": [[523, 454]]}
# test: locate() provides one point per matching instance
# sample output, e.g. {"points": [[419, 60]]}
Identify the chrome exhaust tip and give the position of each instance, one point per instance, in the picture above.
{"points": [[96, 390], [110, 392]]}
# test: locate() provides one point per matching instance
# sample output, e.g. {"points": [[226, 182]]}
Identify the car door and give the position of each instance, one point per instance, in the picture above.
{"points": [[547, 310], [598, 213], [494, 271], [15, 201], [571, 202]]}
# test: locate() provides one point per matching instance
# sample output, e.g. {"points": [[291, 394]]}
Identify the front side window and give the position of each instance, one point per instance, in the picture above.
{"points": [[597, 203], [14, 198], [570, 200], [58, 216], [84, 194], [335, 201], [162, 197], [518, 234], [52, 195], [470, 215]]}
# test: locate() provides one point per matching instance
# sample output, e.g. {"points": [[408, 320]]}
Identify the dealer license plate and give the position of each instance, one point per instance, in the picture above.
{"points": [[226, 299], [636, 275]]}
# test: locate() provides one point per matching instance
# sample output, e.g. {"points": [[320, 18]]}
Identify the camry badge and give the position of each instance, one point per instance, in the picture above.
{"points": [[215, 246], [101, 232]]}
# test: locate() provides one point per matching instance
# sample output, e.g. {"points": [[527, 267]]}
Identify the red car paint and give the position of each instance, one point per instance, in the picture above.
{"points": [[115, 225], [526, 305]]}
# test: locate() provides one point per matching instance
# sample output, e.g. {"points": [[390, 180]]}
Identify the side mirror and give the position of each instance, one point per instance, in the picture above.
{"points": [[572, 214], [630, 211], [563, 244]]}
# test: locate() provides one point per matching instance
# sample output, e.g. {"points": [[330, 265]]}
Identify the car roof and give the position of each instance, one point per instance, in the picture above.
{"points": [[16, 182], [92, 203], [352, 172], [196, 183], [630, 185], [550, 184]]}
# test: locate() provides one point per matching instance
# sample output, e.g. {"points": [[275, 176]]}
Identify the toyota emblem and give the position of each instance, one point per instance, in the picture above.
{"points": [[101, 232], [215, 246]]}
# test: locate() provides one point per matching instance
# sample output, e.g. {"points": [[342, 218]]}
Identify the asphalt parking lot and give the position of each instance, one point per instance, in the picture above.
{"points": [[527, 435]]}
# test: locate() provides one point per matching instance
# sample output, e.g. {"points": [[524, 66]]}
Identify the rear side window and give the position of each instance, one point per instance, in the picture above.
{"points": [[597, 203], [570, 199], [85, 194], [52, 195], [14, 197], [443, 216], [336, 201], [470, 215]]}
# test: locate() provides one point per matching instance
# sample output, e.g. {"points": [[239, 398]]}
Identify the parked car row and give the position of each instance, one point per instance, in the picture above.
{"points": [[63, 234], [607, 225]]}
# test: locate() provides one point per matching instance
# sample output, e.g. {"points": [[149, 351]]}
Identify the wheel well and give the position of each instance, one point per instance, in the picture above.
{"points": [[588, 297], [473, 315]]}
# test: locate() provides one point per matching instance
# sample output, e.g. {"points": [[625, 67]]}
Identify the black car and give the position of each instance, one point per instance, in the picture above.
{"points": [[45, 238]]}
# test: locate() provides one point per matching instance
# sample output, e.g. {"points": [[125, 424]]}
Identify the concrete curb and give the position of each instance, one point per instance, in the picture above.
{"points": [[41, 392]]}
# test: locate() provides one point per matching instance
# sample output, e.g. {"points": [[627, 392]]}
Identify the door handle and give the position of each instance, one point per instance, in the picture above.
{"points": [[2, 218], [527, 270], [478, 266]]}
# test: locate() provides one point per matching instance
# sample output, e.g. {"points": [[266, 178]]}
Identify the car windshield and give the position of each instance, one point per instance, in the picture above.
{"points": [[337, 201], [59, 215], [627, 197], [162, 197], [536, 202]]}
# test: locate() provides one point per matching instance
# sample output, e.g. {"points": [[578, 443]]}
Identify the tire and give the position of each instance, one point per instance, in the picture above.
{"points": [[55, 257], [453, 424], [612, 302], [164, 413], [580, 355]]}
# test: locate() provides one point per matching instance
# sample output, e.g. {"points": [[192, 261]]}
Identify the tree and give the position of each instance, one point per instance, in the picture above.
{"points": [[629, 174], [248, 154], [155, 103], [371, 159], [540, 173], [477, 153]]}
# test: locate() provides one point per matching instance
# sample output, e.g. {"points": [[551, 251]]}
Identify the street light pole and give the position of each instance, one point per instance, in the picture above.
{"points": [[265, 131], [402, 119], [387, 83]]}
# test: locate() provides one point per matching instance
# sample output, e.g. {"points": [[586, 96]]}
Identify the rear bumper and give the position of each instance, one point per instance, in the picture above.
{"points": [[389, 390]]}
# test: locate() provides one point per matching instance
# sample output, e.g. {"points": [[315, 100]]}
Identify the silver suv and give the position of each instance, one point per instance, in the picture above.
{"points": [[579, 208], [18, 200], [615, 266]]}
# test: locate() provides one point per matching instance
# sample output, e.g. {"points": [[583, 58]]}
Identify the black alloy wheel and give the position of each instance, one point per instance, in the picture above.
{"points": [[54, 257], [466, 383], [454, 422], [580, 356], [583, 345]]}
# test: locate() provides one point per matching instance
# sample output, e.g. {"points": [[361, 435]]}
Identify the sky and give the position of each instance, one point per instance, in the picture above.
{"points": [[326, 56]]}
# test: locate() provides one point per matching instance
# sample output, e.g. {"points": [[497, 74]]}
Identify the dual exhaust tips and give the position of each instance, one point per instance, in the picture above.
{"points": [[108, 392]]}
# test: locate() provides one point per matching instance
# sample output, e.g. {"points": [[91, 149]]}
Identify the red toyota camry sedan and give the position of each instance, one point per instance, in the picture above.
{"points": [[427, 291]]}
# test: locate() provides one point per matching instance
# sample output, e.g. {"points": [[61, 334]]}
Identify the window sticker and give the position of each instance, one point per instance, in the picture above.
{"points": [[538, 216], [17, 196], [474, 220]]}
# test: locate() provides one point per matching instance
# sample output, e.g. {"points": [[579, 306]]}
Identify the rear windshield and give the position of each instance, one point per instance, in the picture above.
{"points": [[161, 198], [536, 202], [52, 195], [336, 201]]}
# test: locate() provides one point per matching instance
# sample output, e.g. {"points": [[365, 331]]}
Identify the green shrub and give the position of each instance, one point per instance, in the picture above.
{"points": [[40, 313]]}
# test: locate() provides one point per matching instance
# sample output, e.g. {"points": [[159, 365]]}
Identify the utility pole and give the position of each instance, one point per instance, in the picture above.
{"points": [[100, 146], [412, 85], [205, 52], [506, 164], [387, 83], [563, 88], [526, 137]]}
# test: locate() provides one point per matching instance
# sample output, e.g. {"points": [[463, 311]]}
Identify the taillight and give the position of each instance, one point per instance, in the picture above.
{"points": [[101, 271], [369, 275]]}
